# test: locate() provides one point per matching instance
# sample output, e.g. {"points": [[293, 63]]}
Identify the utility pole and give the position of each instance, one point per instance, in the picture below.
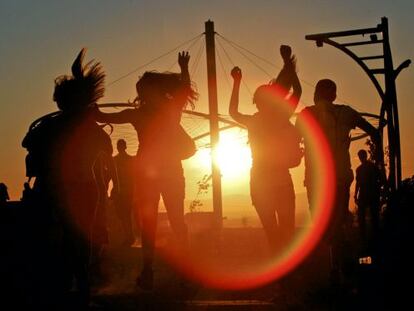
{"points": [[388, 95], [214, 120]]}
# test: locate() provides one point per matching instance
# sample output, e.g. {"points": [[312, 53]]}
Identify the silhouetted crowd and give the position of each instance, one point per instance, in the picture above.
{"points": [[70, 168]]}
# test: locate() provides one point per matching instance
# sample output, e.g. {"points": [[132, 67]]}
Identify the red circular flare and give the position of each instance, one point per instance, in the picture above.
{"points": [[224, 276]]}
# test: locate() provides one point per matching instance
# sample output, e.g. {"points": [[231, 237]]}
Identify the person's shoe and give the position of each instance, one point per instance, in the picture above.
{"points": [[146, 279]]}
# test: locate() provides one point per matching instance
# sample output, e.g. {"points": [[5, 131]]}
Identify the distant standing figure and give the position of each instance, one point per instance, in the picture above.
{"points": [[4, 194], [124, 197], [27, 192], [367, 193], [271, 136]]}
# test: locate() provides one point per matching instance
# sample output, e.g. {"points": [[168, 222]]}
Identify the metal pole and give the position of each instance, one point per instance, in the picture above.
{"points": [[392, 110], [214, 120]]}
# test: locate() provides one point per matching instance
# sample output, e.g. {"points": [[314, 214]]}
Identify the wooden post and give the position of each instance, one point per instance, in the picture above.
{"points": [[214, 122]]}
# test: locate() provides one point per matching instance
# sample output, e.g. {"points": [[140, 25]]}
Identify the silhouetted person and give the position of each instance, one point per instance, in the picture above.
{"points": [[68, 155], [367, 193], [336, 122], [275, 148], [27, 193], [124, 197], [4, 194], [163, 144]]}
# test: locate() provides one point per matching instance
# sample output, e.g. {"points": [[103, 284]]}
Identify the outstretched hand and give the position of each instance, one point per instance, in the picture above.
{"points": [[236, 73], [183, 59], [286, 53]]}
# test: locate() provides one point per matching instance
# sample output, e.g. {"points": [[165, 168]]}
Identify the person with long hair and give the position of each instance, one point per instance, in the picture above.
{"points": [[271, 135], [68, 153], [163, 144]]}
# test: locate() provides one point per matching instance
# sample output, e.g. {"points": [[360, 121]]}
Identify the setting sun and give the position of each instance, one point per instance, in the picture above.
{"points": [[233, 155]]}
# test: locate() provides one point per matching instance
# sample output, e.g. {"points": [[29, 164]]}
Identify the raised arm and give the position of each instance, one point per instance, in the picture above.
{"points": [[234, 100], [297, 90], [183, 60], [186, 95], [288, 77]]}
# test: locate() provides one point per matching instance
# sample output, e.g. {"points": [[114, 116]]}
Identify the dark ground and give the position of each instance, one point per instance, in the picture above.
{"points": [[376, 286]]}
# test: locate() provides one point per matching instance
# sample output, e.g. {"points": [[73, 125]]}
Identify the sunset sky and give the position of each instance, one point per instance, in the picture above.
{"points": [[40, 39]]}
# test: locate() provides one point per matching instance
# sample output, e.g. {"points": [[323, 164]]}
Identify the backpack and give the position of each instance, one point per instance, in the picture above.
{"points": [[292, 152], [34, 144], [187, 147]]}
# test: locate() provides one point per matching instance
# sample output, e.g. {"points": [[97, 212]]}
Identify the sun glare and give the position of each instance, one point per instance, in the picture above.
{"points": [[233, 155]]}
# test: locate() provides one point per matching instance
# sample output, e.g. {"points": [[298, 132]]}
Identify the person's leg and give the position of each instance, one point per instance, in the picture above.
{"points": [[375, 218], [125, 211], [310, 193], [149, 213], [268, 219], [173, 193], [81, 268], [339, 233], [362, 220], [286, 213], [84, 227], [148, 210], [263, 199]]}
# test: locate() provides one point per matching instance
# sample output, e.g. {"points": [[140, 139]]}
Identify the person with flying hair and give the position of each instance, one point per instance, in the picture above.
{"points": [[163, 144], [69, 155]]}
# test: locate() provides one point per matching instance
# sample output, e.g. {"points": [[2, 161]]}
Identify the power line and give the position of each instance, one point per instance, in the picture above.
{"points": [[240, 50], [231, 61], [234, 44], [186, 49], [223, 69], [153, 60], [250, 52], [198, 57]]}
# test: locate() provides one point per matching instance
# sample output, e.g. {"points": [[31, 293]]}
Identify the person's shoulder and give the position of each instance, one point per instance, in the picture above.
{"points": [[346, 109], [248, 120], [372, 165], [307, 110], [99, 130], [305, 113]]}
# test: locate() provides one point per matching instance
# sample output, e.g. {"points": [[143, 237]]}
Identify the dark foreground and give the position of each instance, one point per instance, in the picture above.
{"points": [[364, 286]]}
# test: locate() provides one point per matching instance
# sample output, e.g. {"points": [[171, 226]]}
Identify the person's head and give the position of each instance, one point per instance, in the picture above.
{"points": [[81, 90], [4, 195], [121, 145], [282, 84], [325, 90], [155, 89], [269, 99], [362, 155]]}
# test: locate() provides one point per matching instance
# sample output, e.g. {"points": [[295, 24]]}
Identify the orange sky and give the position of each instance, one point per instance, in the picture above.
{"points": [[39, 42]]}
